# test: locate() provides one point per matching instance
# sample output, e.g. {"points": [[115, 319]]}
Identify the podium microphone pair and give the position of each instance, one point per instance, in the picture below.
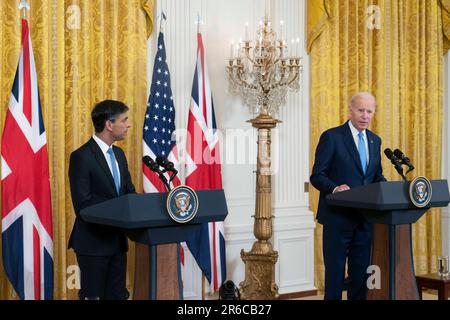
{"points": [[398, 158], [160, 162], [166, 166]]}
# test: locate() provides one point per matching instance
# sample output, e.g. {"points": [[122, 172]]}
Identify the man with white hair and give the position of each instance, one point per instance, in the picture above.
{"points": [[347, 156]]}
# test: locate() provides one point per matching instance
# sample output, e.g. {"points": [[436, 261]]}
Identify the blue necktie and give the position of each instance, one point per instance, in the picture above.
{"points": [[362, 152], [115, 170]]}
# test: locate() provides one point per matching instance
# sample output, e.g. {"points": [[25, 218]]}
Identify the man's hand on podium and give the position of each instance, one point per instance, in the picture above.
{"points": [[342, 187]]}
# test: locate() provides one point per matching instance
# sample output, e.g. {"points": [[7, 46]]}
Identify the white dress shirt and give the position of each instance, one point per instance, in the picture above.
{"points": [[104, 147]]}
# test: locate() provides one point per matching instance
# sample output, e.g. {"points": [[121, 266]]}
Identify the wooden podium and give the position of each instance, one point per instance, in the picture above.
{"points": [[145, 220], [387, 206]]}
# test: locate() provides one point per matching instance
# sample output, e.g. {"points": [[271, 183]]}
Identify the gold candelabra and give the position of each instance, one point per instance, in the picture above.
{"points": [[262, 74]]}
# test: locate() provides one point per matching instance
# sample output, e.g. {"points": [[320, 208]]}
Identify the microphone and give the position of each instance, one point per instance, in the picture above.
{"points": [[395, 161], [389, 154], [166, 164], [404, 159], [161, 161], [171, 167], [149, 162]]}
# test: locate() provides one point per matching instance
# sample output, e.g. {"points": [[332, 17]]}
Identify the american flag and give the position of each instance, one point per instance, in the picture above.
{"points": [[159, 124], [203, 171], [27, 232]]}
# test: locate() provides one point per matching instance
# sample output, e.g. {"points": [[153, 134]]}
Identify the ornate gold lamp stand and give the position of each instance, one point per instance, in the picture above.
{"points": [[261, 74]]}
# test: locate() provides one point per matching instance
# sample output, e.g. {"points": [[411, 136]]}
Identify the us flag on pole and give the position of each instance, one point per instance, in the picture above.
{"points": [[203, 171], [159, 124], [27, 232]]}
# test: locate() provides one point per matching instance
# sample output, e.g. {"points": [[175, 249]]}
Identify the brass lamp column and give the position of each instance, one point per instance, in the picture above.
{"points": [[260, 262], [261, 73]]}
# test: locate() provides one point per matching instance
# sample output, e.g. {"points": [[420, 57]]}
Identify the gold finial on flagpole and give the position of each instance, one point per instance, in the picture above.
{"points": [[24, 6]]}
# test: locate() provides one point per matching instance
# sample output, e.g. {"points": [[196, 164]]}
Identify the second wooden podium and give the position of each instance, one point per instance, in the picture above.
{"points": [[387, 206]]}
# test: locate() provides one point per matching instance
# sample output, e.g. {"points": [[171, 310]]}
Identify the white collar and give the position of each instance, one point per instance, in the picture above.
{"points": [[102, 144], [355, 131]]}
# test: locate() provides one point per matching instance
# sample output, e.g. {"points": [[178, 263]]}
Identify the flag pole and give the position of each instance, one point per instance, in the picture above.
{"points": [[162, 17], [203, 286], [23, 7], [198, 22], [203, 274]]}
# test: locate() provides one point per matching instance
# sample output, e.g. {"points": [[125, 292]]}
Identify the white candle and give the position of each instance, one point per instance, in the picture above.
{"points": [[232, 50], [292, 49], [281, 30], [246, 31]]}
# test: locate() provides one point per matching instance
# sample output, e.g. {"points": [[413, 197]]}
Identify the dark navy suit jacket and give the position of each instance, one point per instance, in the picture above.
{"points": [[337, 162], [91, 182]]}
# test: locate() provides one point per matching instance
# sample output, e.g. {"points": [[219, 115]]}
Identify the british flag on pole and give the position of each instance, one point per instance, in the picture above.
{"points": [[27, 232], [203, 171]]}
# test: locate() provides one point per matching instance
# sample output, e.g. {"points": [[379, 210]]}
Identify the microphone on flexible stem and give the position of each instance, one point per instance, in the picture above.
{"points": [[404, 159], [149, 162], [168, 166], [171, 167], [395, 161], [162, 162]]}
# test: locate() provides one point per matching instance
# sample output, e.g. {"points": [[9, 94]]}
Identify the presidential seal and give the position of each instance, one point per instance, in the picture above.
{"points": [[182, 204], [420, 192]]}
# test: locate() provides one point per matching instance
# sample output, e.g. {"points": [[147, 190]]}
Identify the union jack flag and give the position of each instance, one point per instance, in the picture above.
{"points": [[27, 232], [203, 171]]}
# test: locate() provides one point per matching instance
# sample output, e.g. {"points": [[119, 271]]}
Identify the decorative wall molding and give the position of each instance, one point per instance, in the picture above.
{"points": [[293, 272]]}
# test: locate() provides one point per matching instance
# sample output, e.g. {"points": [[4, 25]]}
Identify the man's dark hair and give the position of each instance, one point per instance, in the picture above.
{"points": [[106, 110]]}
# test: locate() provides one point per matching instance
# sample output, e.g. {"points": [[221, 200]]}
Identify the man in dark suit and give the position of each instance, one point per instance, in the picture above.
{"points": [[347, 156], [98, 171]]}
